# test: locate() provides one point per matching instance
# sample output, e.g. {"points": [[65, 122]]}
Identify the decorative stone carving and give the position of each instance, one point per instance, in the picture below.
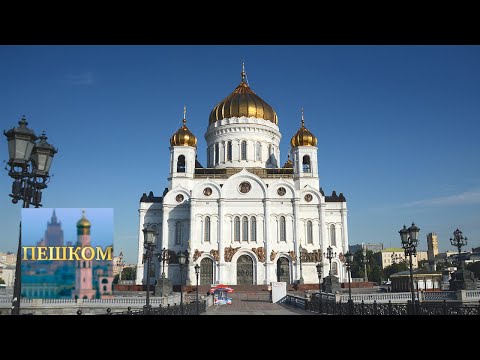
{"points": [[281, 191], [308, 197], [229, 252], [315, 256], [197, 254], [179, 198], [272, 255], [207, 191], [244, 187], [215, 254], [292, 255], [260, 252], [341, 257]]}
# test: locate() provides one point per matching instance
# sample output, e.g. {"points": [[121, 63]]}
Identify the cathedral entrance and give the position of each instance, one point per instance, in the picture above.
{"points": [[244, 270], [206, 272], [283, 270]]}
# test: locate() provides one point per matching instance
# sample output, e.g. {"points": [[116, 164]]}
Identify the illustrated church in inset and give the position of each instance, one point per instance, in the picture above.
{"points": [[243, 217]]}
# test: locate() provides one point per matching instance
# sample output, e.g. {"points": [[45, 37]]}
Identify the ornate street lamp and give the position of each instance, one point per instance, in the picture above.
{"points": [[365, 262], [163, 256], [329, 254], [197, 272], [348, 264], [319, 273], [409, 238], [149, 234], [300, 250], [181, 262], [29, 164], [458, 241]]}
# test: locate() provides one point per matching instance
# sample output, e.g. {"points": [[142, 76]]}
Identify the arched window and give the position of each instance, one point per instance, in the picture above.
{"points": [[333, 240], [237, 229], [258, 154], [206, 232], [334, 269], [245, 228], [178, 233], [217, 153], [244, 150], [104, 288], [253, 229], [283, 229], [84, 264], [181, 164], [229, 151], [306, 163], [309, 232]]}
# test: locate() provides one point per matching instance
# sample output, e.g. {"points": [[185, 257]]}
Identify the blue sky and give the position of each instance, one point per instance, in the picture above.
{"points": [[397, 126], [34, 224]]}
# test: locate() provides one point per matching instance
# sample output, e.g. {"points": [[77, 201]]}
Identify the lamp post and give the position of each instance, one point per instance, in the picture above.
{"points": [[329, 254], [409, 238], [319, 273], [365, 262], [149, 233], [348, 264], [458, 241], [197, 272], [181, 263], [29, 165], [163, 256]]}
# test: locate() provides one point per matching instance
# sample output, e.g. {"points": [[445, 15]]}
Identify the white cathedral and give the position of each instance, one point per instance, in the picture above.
{"points": [[244, 218]]}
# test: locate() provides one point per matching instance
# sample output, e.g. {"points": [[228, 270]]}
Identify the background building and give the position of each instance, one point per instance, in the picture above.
{"points": [[372, 247], [432, 246]]}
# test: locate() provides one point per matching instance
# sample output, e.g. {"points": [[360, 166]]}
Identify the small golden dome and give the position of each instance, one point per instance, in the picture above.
{"points": [[243, 102], [303, 137], [83, 222], [183, 136], [288, 164]]}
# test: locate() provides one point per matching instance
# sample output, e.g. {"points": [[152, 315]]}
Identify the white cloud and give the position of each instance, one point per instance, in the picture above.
{"points": [[80, 79], [467, 197]]}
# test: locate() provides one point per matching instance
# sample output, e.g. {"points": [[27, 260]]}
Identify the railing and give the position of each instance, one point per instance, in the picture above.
{"points": [[380, 298], [185, 309], [472, 293], [439, 295], [328, 305]]}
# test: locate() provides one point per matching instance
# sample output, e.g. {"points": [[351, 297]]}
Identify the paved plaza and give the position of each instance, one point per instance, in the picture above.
{"points": [[251, 307]]}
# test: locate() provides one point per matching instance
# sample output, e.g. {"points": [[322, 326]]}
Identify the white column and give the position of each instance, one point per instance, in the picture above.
{"points": [[139, 279], [221, 261], [191, 243], [267, 240], [323, 235], [296, 238]]}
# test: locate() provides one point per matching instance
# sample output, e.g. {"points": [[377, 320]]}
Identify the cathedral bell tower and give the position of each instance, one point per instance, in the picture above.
{"points": [[304, 154], [83, 268], [183, 152]]}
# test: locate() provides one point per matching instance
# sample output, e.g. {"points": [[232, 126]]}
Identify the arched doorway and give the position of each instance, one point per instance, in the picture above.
{"points": [[206, 271], [283, 270], [245, 270]]}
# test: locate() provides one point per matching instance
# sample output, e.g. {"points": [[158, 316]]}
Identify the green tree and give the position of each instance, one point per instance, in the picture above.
{"points": [[475, 267], [374, 268], [394, 268], [129, 273]]}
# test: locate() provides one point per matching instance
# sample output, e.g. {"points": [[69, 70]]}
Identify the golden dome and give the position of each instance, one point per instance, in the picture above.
{"points": [[83, 222], [183, 136], [243, 102], [83, 225], [303, 137]]}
